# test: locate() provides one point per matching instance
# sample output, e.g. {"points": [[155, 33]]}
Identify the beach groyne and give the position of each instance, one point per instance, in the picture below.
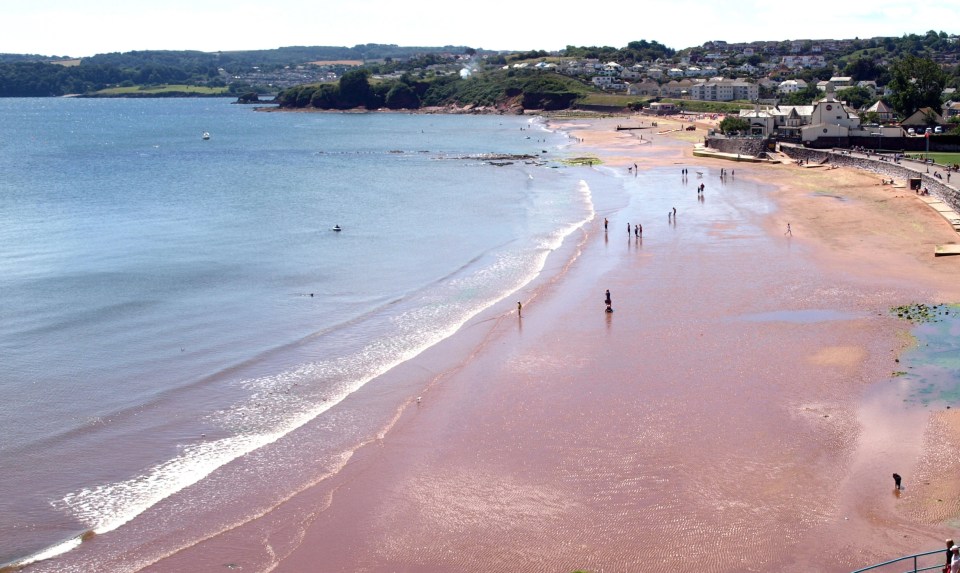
{"points": [[903, 170]]}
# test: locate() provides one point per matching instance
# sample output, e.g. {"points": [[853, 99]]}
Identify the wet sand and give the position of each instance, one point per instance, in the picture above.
{"points": [[735, 413]]}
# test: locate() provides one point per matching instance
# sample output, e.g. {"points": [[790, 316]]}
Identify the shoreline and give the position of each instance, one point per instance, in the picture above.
{"points": [[564, 439]]}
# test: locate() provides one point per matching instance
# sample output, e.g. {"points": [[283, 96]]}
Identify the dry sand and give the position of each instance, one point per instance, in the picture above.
{"points": [[705, 425]]}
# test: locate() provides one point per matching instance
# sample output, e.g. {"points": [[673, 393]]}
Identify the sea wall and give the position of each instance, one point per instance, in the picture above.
{"points": [[886, 168], [743, 145]]}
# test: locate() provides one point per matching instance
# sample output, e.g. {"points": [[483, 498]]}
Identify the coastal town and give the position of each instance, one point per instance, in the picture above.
{"points": [[234, 342]]}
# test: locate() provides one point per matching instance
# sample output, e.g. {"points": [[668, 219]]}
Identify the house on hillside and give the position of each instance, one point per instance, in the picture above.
{"points": [[883, 111], [840, 82], [923, 118], [608, 83], [791, 86], [725, 90], [803, 61], [644, 88], [676, 89]]}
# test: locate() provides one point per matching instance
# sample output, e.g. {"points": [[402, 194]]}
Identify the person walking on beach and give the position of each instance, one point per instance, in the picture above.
{"points": [[608, 302], [946, 566], [639, 230], [605, 222], [896, 481], [519, 309], [674, 214], [788, 231], [955, 560]]}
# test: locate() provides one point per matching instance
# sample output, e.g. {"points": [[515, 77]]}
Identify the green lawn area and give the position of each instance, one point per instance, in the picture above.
{"points": [[940, 157], [160, 90], [944, 158], [709, 106], [620, 100], [612, 100]]}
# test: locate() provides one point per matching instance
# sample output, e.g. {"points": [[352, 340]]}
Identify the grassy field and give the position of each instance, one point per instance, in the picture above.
{"points": [[161, 90], [943, 158], [611, 100], [619, 100], [709, 106], [337, 63]]}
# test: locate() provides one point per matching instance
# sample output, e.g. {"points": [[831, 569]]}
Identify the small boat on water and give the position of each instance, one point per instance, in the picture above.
{"points": [[206, 135], [336, 228]]}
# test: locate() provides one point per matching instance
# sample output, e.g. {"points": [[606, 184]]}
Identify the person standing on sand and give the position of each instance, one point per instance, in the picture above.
{"points": [[946, 566], [896, 481], [519, 309], [605, 222], [640, 230], [628, 229], [955, 561], [608, 302]]}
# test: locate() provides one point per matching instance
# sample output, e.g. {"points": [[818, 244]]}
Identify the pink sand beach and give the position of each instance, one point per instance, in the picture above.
{"points": [[736, 411]]}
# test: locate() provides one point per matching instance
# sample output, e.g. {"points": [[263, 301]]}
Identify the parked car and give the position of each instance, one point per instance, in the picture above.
{"points": [[911, 131], [938, 129]]}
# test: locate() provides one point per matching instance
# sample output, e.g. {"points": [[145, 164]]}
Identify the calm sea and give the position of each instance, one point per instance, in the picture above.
{"points": [[170, 304]]}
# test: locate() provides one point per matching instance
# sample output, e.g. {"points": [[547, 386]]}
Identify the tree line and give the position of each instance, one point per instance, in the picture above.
{"points": [[529, 89], [41, 76], [38, 79]]}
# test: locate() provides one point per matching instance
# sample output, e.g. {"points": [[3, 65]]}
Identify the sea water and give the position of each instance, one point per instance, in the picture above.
{"points": [[169, 304]]}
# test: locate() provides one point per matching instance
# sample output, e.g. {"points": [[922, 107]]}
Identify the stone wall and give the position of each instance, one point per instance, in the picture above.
{"points": [[902, 171], [751, 146]]}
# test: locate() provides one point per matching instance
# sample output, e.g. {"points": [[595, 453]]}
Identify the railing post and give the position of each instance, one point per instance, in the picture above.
{"points": [[914, 564]]}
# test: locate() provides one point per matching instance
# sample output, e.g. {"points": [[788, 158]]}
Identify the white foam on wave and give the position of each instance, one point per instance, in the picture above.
{"points": [[50, 552], [273, 411]]}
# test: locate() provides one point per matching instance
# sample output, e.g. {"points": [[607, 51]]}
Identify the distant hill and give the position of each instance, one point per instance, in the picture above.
{"points": [[291, 55]]}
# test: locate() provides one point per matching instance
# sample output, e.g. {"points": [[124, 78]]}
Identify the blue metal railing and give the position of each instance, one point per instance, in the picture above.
{"points": [[915, 560]]}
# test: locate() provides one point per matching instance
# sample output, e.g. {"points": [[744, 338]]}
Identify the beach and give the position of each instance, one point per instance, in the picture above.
{"points": [[735, 412]]}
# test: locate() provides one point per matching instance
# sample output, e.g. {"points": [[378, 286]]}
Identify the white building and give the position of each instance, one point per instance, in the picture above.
{"points": [[655, 73], [794, 62], [608, 83], [791, 86], [726, 90], [841, 81], [830, 118]]}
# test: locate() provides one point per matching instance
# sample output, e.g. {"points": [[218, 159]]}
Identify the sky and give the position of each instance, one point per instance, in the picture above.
{"points": [[78, 29]]}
